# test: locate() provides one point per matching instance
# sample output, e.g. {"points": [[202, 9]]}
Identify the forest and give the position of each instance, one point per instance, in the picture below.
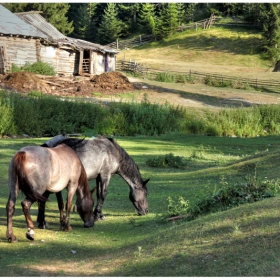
{"points": [[104, 23]]}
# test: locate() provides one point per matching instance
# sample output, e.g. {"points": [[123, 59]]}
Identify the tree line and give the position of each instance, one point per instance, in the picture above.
{"points": [[103, 23]]}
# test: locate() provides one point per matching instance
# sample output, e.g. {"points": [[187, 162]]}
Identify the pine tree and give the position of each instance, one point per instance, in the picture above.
{"points": [[82, 15], [147, 18], [271, 28], [181, 13], [55, 13], [110, 27], [128, 15], [167, 23]]}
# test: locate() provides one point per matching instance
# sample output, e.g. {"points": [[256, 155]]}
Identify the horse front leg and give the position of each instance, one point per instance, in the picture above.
{"points": [[65, 222], [26, 204], [10, 209], [101, 184]]}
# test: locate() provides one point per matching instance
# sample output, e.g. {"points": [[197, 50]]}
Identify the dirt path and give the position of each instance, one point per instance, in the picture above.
{"points": [[115, 86]]}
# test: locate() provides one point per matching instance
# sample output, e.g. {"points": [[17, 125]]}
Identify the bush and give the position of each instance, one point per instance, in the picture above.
{"points": [[167, 161], [38, 67], [166, 77], [177, 208], [235, 195]]}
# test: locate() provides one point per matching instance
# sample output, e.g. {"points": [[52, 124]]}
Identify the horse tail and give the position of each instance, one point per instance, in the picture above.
{"points": [[24, 184]]}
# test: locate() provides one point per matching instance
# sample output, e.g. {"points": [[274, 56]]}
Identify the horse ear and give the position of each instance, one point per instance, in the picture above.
{"points": [[93, 190], [146, 182]]}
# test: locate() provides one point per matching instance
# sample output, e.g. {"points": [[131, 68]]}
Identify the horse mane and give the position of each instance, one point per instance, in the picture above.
{"points": [[25, 185], [83, 184], [127, 164], [73, 143]]}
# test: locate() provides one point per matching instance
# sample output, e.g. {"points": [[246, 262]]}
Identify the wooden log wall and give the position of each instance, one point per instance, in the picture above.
{"points": [[19, 51]]}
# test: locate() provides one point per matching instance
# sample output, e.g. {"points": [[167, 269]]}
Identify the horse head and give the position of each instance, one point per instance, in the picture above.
{"points": [[85, 209], [138, 196]]}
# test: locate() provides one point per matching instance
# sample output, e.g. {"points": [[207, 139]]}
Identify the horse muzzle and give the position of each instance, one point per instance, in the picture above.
{"points": [[143, 212]]}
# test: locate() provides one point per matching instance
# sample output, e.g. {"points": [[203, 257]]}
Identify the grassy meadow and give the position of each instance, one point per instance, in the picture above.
{"points": [[242, 241], [238, 242], [233, 51]]}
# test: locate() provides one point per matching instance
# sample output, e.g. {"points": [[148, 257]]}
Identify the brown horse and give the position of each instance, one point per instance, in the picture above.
{"points": [[37, 171]]}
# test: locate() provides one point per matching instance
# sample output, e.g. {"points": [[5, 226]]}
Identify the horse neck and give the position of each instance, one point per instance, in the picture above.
{"points": [[130, 173]]}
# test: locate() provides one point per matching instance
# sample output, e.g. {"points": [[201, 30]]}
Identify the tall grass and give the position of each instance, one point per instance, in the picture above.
{"points": [[43, 115]]}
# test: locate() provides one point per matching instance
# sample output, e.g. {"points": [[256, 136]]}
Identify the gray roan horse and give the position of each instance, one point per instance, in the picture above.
{"points": [[38, 171], [102, 158]]}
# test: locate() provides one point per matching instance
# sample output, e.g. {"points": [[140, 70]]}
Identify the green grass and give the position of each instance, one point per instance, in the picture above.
{"points": [[233, 51], [243, 241]]}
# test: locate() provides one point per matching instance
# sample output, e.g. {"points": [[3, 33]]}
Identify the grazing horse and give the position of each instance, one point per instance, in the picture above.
{"points": [[102, 158], [38, 171]]}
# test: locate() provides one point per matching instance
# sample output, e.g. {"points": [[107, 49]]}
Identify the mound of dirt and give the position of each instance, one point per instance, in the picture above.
{"points": [[111, 81], [25, 82], [80, 86]]}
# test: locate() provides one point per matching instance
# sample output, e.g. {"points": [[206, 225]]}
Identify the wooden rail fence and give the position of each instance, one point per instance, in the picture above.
{"points": [[205, 24], [142, 70], [127, 44]]}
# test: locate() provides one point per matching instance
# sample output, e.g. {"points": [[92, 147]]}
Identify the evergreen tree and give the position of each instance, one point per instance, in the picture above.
{"points": [[147, 18], [271, 28], [82, 15], [54, 13], [128, 15], [181, 13], [167, 23], [110, 27]]}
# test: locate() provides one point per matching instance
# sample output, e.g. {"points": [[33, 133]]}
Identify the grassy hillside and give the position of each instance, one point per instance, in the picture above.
{"points": [[232, 51], [242, 241]]}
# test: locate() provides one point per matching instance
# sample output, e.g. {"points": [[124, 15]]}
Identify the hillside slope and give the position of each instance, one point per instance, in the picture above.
{"points": [[232, 51]]}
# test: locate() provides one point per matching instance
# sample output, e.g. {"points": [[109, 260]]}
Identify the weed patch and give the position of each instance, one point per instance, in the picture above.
{"points": [[167, 161]]}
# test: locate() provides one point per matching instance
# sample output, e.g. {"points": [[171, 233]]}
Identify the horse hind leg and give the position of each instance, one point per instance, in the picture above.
{"points": [[42, 224], [10, 209], [26, 204]]}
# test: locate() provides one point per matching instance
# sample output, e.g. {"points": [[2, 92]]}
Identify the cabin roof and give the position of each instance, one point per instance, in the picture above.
{"points": [[12, 25], [39, 22]]}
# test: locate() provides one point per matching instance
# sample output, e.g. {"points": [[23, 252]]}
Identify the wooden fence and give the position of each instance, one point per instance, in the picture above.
{"points": [[143, 39], [135, 42], [142, 70], [205, 24]]}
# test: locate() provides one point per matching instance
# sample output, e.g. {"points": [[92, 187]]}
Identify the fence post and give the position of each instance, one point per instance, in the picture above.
{"points": [[140, 39], [256, 82], [190, 73], [117, 44]]}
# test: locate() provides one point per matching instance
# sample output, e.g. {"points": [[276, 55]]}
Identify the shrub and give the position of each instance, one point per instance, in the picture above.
{"points": [[38, 67], [235, 195], [166, 77], [166, 161], [177, 208]]}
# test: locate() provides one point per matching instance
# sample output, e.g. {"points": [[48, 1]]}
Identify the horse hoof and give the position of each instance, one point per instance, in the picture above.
{"points": [[43, 226], [100, 218], [12, 240], [66, 228], [30, 234]]}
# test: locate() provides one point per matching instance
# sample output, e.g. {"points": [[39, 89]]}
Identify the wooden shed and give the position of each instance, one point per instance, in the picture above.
{"points": [[67, 55], [19, 42]]}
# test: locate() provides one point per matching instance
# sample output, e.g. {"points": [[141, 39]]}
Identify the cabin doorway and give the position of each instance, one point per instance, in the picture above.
{"points": [[86, 62]]}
